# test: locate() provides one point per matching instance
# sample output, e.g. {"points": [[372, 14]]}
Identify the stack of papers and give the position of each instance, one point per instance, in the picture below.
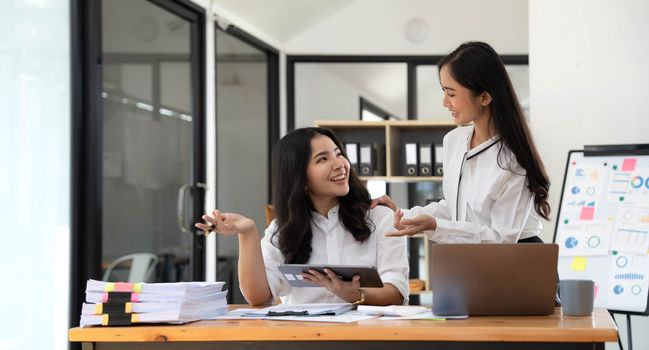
{"points": [[112, 304]]}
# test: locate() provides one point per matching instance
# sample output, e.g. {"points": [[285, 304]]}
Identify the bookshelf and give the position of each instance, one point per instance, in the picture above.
{"points": [[394, 134]]}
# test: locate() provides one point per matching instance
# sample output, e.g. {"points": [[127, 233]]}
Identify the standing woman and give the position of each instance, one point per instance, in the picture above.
{"points": [[495, 184], [323, 217]]}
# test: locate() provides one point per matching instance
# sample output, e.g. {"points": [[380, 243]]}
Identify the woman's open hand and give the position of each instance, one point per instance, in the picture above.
{"points": [[409, 227], [226, 223]]}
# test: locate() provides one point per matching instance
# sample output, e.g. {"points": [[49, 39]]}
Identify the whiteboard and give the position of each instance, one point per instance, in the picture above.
{"points": [[603, 227]]}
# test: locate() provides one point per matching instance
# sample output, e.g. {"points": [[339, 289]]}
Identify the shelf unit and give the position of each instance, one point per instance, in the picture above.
{"points": [[394, 134]]}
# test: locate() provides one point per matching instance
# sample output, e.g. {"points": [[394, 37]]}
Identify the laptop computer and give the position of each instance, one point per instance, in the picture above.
{"points": [[493, 279]]}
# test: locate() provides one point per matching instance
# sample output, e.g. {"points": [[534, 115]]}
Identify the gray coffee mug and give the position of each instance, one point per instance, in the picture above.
{"points": [[576, 297]]}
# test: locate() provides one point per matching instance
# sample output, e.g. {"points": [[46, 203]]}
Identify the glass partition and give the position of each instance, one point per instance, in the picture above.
{"points": [[148, 123], [242, 124]]}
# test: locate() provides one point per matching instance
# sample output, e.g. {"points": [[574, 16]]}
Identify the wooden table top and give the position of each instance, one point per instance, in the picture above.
{"points": [[553, 328]]}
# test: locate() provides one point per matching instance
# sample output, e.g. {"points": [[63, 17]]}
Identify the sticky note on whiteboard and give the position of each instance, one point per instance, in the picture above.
{"points": [[587, 213], [629, 164], [578, 263]]}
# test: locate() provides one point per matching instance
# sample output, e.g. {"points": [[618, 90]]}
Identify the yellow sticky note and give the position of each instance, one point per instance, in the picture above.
{"points": [[578, 263]]}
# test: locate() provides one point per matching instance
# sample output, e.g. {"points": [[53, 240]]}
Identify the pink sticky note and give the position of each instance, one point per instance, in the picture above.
{"points": [[123, 287], [595, 291], [629, 164], [587, 213]]}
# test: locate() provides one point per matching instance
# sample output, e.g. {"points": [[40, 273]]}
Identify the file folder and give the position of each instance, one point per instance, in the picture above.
{"points": [[425, 160], [366, 160], [352, 155], [411, 164], [439, 159], [379, 157]]}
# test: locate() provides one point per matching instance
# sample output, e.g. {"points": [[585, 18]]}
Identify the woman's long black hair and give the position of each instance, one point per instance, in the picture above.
{"points": [[477, 66], [293, 206]]}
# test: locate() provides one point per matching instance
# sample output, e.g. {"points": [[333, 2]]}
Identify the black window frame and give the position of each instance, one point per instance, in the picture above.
{"points": [[365, 104]]}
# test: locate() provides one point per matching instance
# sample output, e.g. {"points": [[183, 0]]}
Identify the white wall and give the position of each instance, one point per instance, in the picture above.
{"points": [[589, 74], [377, 27], [329, 91], [34, 174]]}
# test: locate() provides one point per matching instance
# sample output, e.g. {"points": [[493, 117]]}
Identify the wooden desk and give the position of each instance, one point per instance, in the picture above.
{"points": [[525, 332]]}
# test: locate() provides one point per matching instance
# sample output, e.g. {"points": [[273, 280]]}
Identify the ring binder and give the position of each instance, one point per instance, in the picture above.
{"points": [[411, 161], [439, 161], [366, 160], [352, 155], [379, 157], [425, 160]]}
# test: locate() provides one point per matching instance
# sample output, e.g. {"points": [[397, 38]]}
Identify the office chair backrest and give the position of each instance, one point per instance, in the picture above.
{"points": [[141, 266], [269, 210]]}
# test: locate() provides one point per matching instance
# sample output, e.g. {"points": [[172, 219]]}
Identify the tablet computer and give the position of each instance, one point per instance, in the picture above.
{"points": [[369, 275]]}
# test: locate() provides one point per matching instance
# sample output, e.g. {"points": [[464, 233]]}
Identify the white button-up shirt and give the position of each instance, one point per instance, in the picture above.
{"points": [[333, 244], [482, 201]]}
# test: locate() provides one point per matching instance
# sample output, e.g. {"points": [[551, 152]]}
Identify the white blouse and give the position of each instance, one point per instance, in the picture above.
{"points": [[333, 244], [484, 203]]}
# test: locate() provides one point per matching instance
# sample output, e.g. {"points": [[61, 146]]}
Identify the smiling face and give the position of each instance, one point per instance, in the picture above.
{"points": [[327, 172], [464, 105]]}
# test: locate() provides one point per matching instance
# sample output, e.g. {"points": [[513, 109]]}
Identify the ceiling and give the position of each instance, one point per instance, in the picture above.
{"points": [[283, 19]]}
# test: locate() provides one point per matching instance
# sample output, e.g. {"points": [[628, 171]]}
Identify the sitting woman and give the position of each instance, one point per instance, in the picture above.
{"points": [[323, 217]]}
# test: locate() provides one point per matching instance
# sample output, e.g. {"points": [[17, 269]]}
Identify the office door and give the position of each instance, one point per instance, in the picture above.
{"points": [[247, 127], [152, 138]]}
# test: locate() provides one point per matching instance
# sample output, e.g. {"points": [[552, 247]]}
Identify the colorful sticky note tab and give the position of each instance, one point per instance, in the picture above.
{"points": [[629, 164], [595, 291], [587, 213], [123, 287], [578, 263]]}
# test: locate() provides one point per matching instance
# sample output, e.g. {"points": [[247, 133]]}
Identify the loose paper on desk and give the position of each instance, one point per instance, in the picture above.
{"points": [[348, 317], [428, 315], [392, 310], [301, 310]]}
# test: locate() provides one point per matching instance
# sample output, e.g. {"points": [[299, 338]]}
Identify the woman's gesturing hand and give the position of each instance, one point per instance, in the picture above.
{"points": [[226, 223], [409, 227]]}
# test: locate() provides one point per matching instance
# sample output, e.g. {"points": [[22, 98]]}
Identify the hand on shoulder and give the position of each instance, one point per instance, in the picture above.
{"points": [[385, 201]]}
